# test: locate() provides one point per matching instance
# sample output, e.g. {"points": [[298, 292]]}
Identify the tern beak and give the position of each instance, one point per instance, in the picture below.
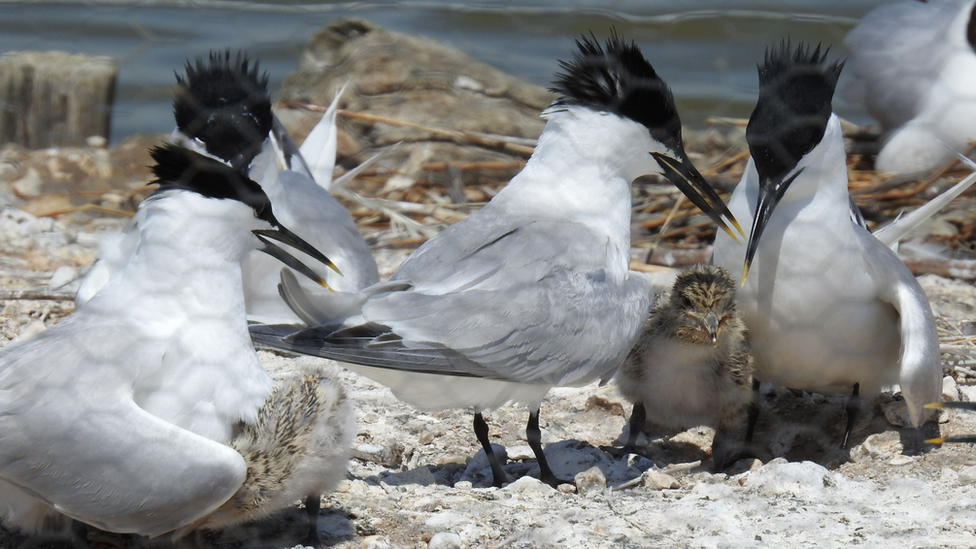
{"points": [[959, 406], [680, 171], [770, 194], [285, 236]]}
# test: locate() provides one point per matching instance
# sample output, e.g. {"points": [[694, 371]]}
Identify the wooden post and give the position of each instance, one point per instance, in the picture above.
{"points": [[55, 99]]}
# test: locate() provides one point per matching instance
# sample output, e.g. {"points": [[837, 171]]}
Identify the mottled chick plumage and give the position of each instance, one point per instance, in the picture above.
{"points": [[298, 446], [691, 365]]}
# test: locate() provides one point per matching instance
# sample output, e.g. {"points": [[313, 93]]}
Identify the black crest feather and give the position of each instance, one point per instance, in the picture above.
{"points": [[796, 87], [618, 79], [180, 168], [226, 105]]}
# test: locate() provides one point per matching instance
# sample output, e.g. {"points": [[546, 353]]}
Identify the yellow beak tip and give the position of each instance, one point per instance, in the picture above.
{"points": [[738, 228], [729, 232]]}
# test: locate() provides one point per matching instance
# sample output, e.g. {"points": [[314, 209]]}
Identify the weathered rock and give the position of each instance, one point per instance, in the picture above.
{"points": [[445, 540], [423, 83], [591, 482]]}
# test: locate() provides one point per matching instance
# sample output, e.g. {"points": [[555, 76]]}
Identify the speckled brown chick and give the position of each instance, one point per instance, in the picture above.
{"points": [[297, 449], [691, 365]]}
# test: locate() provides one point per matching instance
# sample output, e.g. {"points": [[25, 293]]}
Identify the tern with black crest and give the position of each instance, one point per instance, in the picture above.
{"points": [[223, 110], [913, 65], [829, 307], [532, 291], [121, 415]]}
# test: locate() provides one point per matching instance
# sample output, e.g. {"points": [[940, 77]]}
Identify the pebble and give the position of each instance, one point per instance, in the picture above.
{"points": [[445, 540], [803, 479], [591, 482], [528, 485], [950, 390], [375, 542], [968, 392], [898, 461], [660, 481], [896, 412]]}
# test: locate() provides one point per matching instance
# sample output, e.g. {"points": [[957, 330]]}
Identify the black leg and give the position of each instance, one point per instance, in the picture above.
{"points": [[312, 505], [534, 435], [853, 407], [481, 431], [753, 411], [637, 419]]}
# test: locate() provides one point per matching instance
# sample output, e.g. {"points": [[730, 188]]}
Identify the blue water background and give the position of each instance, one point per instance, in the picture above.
{"points": [[706, 50]]}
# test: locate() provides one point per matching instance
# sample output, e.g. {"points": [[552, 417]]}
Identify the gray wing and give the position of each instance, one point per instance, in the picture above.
{"points": [[527, 299], [856, 216], [898, 50], [71, 436], [920, 366], [319, 218]]}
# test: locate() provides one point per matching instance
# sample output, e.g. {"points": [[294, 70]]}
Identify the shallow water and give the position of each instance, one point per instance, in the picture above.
{"points": [[706, 50]]}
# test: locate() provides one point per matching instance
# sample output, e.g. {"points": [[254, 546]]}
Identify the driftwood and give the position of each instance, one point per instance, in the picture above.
{"points": [[55, 99]]}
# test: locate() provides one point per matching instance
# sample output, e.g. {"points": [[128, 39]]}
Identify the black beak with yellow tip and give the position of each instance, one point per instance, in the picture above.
{"points": [[970, 439], [285, 236], [770, 194], [680, 171]]}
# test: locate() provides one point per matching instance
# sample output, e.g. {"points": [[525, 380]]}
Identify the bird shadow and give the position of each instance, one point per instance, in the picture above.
{"points": [[801, 426], [286, 528], [793, 425]]}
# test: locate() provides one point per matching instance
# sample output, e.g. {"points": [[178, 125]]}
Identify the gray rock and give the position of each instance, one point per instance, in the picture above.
{"points": [[445, 540], [591, 482], [419, 81]]}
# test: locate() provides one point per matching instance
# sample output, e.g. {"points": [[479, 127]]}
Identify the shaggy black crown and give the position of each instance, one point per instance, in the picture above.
{"points": [[620, 80], [226, 105], [180, 168], [795, 92]]}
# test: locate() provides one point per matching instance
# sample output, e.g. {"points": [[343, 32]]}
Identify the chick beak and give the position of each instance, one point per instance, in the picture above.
{"points": [[285, 236], [710, 325], [770, 194], [680, 171]]}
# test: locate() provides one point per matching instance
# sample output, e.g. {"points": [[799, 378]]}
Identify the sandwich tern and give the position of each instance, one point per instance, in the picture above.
{"points": [[120, 415], [913, 66], [223, 110], [532, 291], [829, 307]]}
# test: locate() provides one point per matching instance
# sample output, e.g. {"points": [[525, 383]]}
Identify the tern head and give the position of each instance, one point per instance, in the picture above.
{"points": [[702, 304], [183, 169], [225, 105], [616, 80], [796, 87]]}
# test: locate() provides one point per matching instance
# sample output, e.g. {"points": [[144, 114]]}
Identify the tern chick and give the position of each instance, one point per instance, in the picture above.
{"points": [[298, 445], [533, 290], [691, 365]]}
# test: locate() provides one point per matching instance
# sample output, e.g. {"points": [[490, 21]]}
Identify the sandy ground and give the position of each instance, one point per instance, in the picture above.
{"points": [[420, 480]]}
